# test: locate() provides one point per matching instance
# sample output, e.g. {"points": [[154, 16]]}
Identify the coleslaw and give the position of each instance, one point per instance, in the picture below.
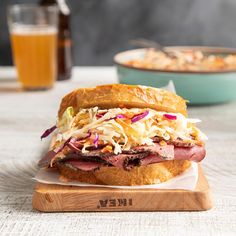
{"points": [[121, 129]]}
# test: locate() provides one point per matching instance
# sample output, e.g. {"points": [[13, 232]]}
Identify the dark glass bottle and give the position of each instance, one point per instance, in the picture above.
{"points": [[64, 38]]}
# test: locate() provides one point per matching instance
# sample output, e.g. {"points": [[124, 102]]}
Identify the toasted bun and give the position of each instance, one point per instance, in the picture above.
{"points": [[143, 175], [122, 95]]}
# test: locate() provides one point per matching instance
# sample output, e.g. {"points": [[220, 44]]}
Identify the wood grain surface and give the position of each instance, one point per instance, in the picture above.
{"points": [[23, 117]]}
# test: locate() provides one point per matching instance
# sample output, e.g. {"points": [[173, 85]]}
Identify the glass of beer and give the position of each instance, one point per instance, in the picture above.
{"points": [[33, 31]]}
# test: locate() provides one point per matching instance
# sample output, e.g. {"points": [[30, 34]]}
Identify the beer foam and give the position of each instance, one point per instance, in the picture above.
{"points": [[33, 29]]}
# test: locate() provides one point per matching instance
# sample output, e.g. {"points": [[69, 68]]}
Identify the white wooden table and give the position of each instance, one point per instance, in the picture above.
{"points": [[24, 115]]}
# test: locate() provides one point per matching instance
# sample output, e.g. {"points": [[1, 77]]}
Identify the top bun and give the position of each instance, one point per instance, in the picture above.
{"points": [[122, 95]]}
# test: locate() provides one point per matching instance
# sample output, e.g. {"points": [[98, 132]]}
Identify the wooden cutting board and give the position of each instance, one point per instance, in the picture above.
{"points": [[58, 198]]}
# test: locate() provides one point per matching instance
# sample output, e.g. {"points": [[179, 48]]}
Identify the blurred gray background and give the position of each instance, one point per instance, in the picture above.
{"points": [[102, 28]]}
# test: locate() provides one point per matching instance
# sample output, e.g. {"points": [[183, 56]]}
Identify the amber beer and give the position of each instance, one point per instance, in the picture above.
{"points": [[33, 31], [34, 55]]}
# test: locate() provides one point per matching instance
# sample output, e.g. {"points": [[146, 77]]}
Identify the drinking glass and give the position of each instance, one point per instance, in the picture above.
{"points": [[33, 32]]}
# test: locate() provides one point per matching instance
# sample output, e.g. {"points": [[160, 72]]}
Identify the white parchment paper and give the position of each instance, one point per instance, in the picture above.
{"points": [[186, 181]]}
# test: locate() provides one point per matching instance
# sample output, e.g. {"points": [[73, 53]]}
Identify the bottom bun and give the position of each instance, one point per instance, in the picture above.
{"points": [[143, 175]]}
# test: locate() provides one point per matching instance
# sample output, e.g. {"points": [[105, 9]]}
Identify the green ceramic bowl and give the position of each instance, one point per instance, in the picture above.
{"points": [[197, 87]]}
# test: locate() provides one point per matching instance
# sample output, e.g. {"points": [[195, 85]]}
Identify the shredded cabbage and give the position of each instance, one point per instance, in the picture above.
{"points": [[65, 122], [115, 127]]}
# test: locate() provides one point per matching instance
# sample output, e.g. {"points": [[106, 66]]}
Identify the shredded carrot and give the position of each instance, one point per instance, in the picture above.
{"points": [[106, 149], [162, 143], [128, 128]]}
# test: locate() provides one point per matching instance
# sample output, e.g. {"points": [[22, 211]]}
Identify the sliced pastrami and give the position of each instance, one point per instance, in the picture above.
{"points": [[141, 155], [151, 159], [126, 161], [195, 153], [84, 165], [166, 151]]}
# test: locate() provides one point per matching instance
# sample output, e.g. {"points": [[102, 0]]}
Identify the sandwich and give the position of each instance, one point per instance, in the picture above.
{"points": [[123, 135]]}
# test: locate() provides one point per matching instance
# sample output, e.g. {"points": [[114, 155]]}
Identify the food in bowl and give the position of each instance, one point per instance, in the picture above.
{"points": [[183, 60], [198, 87], [123, 135]]}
